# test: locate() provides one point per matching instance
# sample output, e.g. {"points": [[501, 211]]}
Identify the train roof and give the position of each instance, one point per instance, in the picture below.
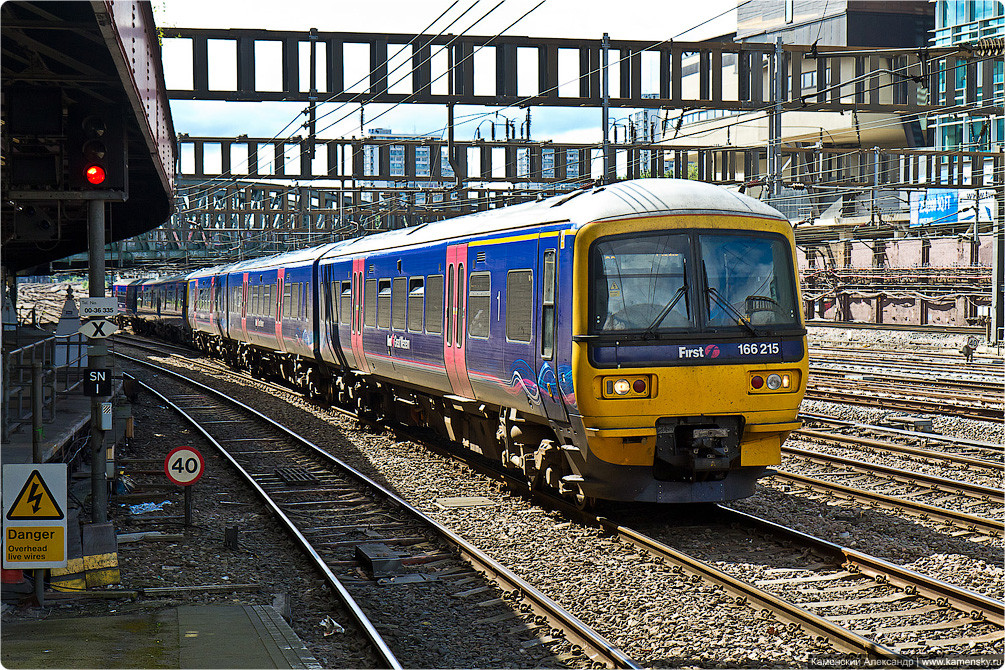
{"points": [[627, 199], [297, 257], [154, 281], [128, 282]]}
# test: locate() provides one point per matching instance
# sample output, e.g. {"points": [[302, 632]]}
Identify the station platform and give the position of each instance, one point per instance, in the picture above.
{"points": [[72, 418], [238, 636]]}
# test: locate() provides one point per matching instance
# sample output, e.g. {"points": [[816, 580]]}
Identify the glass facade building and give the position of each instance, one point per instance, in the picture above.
{"points": [[977, 128]]}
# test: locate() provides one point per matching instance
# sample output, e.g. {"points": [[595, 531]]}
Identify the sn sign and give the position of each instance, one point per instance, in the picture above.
{"points": [[98, 382]]}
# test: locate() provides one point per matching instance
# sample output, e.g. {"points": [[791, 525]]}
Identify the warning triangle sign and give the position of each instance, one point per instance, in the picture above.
{"points": [[35, 501]]}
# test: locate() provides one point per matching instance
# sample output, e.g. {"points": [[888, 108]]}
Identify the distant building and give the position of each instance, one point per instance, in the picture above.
{"points": [[888, 25], [972, 128], [853, 23], [387, 137]]}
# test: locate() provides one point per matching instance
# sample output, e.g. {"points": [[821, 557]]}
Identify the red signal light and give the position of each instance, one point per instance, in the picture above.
{"points": [[95, 174]]}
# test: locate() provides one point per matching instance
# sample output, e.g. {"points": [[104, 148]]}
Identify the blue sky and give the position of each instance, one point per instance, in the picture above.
{"points": [[627, 19]]}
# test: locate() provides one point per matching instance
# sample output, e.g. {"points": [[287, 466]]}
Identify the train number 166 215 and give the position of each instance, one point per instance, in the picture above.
{"points": [[758, 348]]}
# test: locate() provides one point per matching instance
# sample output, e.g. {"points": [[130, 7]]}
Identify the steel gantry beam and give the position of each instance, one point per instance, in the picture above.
{"points": [[653, 74], [418, 162]]}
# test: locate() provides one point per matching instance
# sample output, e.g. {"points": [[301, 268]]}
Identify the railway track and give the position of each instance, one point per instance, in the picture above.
{"points": [[973, 618], [881, 375], [836, 491], [851, 393], [973, 450], [894, 448], [850, 466], [861, 603], [341, 518], [953, 363]]}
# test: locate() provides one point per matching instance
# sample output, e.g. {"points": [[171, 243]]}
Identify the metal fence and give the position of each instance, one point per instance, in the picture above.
{"points": [[59, 360]]}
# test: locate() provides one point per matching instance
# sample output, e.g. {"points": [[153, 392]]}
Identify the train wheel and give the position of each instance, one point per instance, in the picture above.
{"points": [[585, 503]]}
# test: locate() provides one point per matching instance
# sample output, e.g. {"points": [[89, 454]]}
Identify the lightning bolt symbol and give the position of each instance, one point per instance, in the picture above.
{"points": [[35, 498]]}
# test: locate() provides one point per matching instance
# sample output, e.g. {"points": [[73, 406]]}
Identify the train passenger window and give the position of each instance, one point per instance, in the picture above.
{"points": [[434, 304], [295, 308], [267, 306], [548, 306], [416, 298], [287, 299], [479, 303], [398, 299], [519, 304], [370, 303], [302, 299], [384, 303], [345, 309], [333, 302]]}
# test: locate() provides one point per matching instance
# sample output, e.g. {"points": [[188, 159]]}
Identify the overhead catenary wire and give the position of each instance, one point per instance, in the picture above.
{"points": [[483, 115], [579, 178]]}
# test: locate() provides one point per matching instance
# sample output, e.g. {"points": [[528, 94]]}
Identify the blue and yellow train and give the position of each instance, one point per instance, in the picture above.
{"points": [[641, 341]]}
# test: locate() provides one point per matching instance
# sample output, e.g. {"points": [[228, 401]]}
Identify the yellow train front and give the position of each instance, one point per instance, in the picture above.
{"points": [[689, 355]]}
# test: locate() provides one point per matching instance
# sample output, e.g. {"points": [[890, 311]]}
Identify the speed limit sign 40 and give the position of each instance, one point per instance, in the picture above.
{"points": [[184, 466]]}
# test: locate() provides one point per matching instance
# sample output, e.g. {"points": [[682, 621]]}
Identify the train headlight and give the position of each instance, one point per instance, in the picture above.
{"points": [[764, 381], [629, 387]]}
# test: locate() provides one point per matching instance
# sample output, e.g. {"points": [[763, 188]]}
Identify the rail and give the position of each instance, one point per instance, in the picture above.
{"points": [[600, 650]]}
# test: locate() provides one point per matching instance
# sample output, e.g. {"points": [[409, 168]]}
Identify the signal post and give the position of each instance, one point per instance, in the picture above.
{"points": [[98, 169]]}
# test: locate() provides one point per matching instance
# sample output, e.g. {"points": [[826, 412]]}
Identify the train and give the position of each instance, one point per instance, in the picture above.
{"points": [[637, 341]]}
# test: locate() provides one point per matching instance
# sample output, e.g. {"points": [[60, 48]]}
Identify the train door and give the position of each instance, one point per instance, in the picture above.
{"points": [[454, 332], [280, 286], [356, 327], [549, 374], [244, 307]]}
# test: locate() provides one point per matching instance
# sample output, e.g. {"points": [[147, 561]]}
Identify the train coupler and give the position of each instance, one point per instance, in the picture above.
{"points": [[696, 448]]}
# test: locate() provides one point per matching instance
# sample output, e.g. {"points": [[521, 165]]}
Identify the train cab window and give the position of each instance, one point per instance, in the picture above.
{"points": [[345, 309], [640, 283], [479, 304], [434, 304], [748, 279], [384, 303], [416, 300], [399, 297], [519, 305], [370, 303], [548, 305]]}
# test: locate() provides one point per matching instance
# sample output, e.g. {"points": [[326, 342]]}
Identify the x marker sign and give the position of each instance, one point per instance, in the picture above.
{"points": [[98, 328]]}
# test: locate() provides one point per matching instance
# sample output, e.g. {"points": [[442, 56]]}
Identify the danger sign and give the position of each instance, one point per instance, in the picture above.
{"points": [[34, 517]]}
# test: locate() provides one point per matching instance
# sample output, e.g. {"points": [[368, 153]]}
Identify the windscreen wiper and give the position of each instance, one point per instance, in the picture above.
{"points": [[725, 305], [666, 309]]}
